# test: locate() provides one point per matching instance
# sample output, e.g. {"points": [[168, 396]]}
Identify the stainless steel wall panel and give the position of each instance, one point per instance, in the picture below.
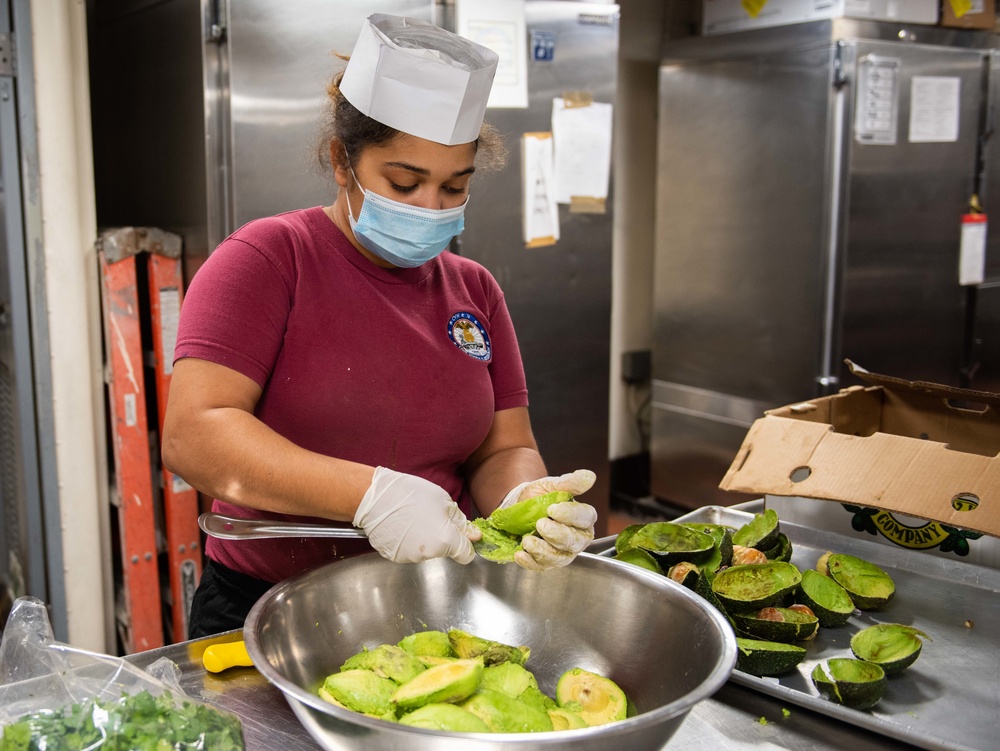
{"points": [[741, 197], [901, 304], [784, 244], [280, 60]]}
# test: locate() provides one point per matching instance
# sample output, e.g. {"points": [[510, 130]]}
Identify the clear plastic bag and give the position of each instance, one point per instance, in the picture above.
{"points": [[59, 698]]}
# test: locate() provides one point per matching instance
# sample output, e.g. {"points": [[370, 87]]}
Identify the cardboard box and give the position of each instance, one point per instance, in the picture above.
{"points": [[968, 14], [724, 16], [921, 452]]}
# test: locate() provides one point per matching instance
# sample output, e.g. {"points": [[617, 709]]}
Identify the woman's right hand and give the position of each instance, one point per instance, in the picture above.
{"points": [[409, 519]]}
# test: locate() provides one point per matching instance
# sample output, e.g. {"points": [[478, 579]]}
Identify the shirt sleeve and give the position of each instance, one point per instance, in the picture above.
{"points": [[506, 369], [235, 310]]}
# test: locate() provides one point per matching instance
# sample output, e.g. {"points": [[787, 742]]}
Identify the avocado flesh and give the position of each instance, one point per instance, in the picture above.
{"points": [[760, 657], [853, 683], [533, 697], [361, 691], [672, 543], [495, 545], [502, 714], [761, 532], [468, 646], [753, 586], [520, 518], [427, 644], [387, 661], [507, 678], [564, 719], [830, 602], [869, 586], [447, 717], [600, 699], [891, 646], [450, 682]]}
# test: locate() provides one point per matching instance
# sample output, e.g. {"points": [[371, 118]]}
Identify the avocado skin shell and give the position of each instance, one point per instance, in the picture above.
{"points": [[856, 694], [759, 657], [811, 587]]}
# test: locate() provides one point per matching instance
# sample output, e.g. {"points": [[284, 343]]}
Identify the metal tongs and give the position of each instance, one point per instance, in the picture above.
{"points": [[233, 528]]}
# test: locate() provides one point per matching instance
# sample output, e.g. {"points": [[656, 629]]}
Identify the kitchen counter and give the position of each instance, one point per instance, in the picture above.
{"points": [[729, 721]]}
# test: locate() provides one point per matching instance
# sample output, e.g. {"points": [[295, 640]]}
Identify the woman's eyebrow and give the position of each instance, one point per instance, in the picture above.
{"points": [[425, 172]]}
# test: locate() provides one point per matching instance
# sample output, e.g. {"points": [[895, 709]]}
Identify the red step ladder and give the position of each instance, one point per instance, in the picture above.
{"points": [[130, 257]]}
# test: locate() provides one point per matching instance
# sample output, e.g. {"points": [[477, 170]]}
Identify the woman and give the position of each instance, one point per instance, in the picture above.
{"points": [[334, 363]]}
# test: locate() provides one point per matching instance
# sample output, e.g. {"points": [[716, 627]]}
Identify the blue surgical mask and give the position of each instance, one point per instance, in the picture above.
{"points": [[405, 236]]}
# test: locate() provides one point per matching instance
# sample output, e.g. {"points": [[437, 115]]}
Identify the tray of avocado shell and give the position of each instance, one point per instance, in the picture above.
{"points": [[948, 697]]}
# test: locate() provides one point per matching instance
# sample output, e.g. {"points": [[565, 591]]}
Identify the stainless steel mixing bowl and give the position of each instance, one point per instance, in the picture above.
{"points": [[666, 647]]}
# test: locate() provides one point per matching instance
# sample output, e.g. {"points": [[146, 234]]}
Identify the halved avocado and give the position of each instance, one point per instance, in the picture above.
{"points": [[623, 540], [446, 717], [428, 643], [672, 543], [761, 532], [685, 573], [892, 646], [759, 657], [450, 682], [754, 586], [777, 624], [600, 699], [827, 599], [505, 715], [508, 678], [869, 586], [853, 683], [520, 519], [388, 661], [564, 719], [468, 646], [361, 691], [722, 552], [495, 545], [639, 557]]}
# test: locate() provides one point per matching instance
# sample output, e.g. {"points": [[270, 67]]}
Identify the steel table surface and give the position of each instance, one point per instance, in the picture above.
{"points": [[729, 721]]}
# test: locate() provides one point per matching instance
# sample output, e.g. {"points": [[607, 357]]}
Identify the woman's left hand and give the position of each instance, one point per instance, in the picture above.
{"points": [[568, 528]]}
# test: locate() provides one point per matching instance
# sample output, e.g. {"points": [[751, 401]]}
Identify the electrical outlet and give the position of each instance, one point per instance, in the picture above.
{"points": [[636, 366]]}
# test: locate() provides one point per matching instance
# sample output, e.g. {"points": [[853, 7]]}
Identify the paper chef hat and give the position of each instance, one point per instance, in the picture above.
{"points": [[420, 79]]}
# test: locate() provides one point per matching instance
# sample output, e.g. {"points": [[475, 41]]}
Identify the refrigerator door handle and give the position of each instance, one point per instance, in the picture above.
{"points": [[828, 378]]}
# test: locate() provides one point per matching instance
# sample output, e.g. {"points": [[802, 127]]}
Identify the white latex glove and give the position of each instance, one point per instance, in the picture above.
{"points": [[409, 519], [567, 530]]}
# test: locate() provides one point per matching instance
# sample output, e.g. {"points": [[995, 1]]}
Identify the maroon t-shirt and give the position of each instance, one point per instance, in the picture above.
{"points": [[401, 368]]}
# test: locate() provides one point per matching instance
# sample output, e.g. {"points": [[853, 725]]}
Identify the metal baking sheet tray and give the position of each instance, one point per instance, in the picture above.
{"points": [[950, 697]]}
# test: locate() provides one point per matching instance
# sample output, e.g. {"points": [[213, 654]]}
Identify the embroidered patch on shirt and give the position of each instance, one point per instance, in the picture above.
{"points": [[468, 334]]}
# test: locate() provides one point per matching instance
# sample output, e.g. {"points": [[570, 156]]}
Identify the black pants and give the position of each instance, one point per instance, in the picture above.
{"points": [[222, 600]]}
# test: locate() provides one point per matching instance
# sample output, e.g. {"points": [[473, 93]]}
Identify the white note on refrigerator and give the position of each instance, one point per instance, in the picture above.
{"points": [[540, 213], [499, 25], [934, 109], [582, 136], [972, 250]]}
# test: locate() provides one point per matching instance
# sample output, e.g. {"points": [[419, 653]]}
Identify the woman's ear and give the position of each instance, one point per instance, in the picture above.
{"points": [[339, 162]]}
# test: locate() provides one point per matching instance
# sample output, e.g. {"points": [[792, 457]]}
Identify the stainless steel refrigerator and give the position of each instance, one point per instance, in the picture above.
{"points": [[811, 185], [204, 115]]}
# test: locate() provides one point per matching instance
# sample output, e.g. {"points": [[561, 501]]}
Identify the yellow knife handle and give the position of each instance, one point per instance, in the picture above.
{"points": [[220, 657]]}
